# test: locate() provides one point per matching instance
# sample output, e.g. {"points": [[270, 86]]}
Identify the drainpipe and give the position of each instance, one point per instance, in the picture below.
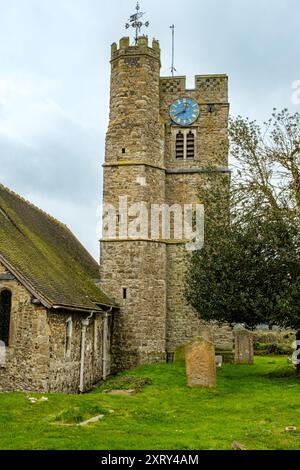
{"points": [[105, 335], [84, 324]]}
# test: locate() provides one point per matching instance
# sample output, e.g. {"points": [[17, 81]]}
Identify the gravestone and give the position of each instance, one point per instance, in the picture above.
{"points": [[243, 347], [219, 361], [200, 363]]}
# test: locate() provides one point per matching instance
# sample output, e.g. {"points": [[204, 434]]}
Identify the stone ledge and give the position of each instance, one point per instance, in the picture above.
{"points": [[132, 163], [165, 242], [170, 171], [175, 171]]}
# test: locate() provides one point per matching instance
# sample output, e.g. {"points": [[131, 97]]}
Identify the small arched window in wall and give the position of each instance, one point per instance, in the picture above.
{"points": [[185, 144], [5, 311], [190, 146], [179, 146]]}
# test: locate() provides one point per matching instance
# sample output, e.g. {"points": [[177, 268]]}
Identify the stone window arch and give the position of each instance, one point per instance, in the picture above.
{"points": [[179, 146], [5, 313], [190, 145], [184, 144]]}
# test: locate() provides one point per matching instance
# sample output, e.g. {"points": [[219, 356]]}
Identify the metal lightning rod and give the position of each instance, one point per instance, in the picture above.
{"points": [[173, 70]]}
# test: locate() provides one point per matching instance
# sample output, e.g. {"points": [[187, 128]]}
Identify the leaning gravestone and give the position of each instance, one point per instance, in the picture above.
{"points": [[243, 347], [200, 363]]}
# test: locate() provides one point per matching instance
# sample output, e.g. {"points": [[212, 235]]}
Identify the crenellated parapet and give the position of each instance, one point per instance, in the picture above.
{"points": [[141, 48], [212, 88], [208, 88]]}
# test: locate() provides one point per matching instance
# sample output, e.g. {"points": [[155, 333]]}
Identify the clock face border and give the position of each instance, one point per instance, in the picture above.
{"points": [[187, 119]]}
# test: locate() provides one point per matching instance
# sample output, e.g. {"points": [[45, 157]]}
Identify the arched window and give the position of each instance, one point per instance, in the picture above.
{"points": [[179, 146], [190, 146], [185, 144], [5, 310]]}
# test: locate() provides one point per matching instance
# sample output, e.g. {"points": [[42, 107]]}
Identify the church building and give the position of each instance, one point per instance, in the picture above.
{"points": [[55, 322], [67, 323]]}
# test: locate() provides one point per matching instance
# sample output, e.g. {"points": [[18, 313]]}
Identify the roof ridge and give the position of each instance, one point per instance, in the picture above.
{"points": [[49, 216], [34, 207], [53, 262]]}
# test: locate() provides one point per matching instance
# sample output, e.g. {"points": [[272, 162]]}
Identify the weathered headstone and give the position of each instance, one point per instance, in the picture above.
{"points": [[243, 347], [200, 363], [219, 361]]}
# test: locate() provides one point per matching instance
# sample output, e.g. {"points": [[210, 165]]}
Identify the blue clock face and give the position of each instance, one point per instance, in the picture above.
{"points": [[184, 111]]}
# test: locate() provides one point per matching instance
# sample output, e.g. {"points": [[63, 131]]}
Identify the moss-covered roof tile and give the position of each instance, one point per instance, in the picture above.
{"points": [[47, 255]]}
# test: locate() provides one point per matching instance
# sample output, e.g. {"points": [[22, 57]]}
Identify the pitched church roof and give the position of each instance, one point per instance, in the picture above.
{"points": [[46, 257]]}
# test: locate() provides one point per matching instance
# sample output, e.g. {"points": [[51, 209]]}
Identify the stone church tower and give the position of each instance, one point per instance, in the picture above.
{"points": [[160, 142]]}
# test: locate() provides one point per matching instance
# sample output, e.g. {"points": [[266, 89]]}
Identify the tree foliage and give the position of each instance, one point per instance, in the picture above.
{"points": [[249, 269], [266, 162]]}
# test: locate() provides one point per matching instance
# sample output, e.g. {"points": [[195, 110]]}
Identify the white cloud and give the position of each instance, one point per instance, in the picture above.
{"points": [[54, 82]]}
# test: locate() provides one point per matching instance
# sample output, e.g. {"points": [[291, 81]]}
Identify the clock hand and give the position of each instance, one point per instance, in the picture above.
{"points": [[181, 112]]}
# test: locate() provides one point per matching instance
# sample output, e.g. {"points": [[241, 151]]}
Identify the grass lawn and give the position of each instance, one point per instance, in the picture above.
{"points": [[252, 405]]}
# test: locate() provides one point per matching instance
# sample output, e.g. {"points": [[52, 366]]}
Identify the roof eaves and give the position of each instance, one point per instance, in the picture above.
{"points": [[44, 300], [97, 307], [76, 308]]}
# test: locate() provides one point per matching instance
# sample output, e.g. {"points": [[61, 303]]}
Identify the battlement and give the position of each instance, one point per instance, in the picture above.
{"points": [[211, 88], [141, 48]]}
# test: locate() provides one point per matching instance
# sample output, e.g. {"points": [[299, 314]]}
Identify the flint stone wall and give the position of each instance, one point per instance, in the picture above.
{"points": [[36, 357]]}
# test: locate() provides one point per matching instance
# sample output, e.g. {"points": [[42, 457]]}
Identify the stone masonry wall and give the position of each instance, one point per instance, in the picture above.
{"points": [[27, 358], [36, 359], [134, 267], [211, 127], [139, 333], [134, 129], [183, 322], [183, 180], [64, 375]]}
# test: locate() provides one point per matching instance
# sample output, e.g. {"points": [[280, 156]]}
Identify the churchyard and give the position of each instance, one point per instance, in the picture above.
{"points": [[151, 407]]}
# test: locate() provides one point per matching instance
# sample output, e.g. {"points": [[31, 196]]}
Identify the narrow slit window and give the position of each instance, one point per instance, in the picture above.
{"points": [[5, 312], [124, 294], [190, 146], [179, 146]]}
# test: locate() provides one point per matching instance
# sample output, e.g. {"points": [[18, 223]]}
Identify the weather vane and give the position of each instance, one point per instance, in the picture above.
{"points": [[136, 23]]}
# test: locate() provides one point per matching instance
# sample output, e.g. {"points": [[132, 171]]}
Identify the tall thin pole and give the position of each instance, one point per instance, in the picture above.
{"points": [[173, 70]]}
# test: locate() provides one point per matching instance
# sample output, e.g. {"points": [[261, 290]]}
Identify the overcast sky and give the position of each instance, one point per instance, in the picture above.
{"points": [[54, 83]]}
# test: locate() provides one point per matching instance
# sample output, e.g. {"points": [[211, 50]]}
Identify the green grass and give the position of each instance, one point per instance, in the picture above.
{"points": [[252, 405]]}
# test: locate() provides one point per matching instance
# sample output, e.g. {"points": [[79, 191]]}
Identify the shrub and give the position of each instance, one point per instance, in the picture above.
{"points": [[274, 349]]}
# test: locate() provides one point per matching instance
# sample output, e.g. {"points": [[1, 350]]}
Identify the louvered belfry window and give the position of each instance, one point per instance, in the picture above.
{"points": [[5, 310], [185, 145], [190, 146], [179, 146]]}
